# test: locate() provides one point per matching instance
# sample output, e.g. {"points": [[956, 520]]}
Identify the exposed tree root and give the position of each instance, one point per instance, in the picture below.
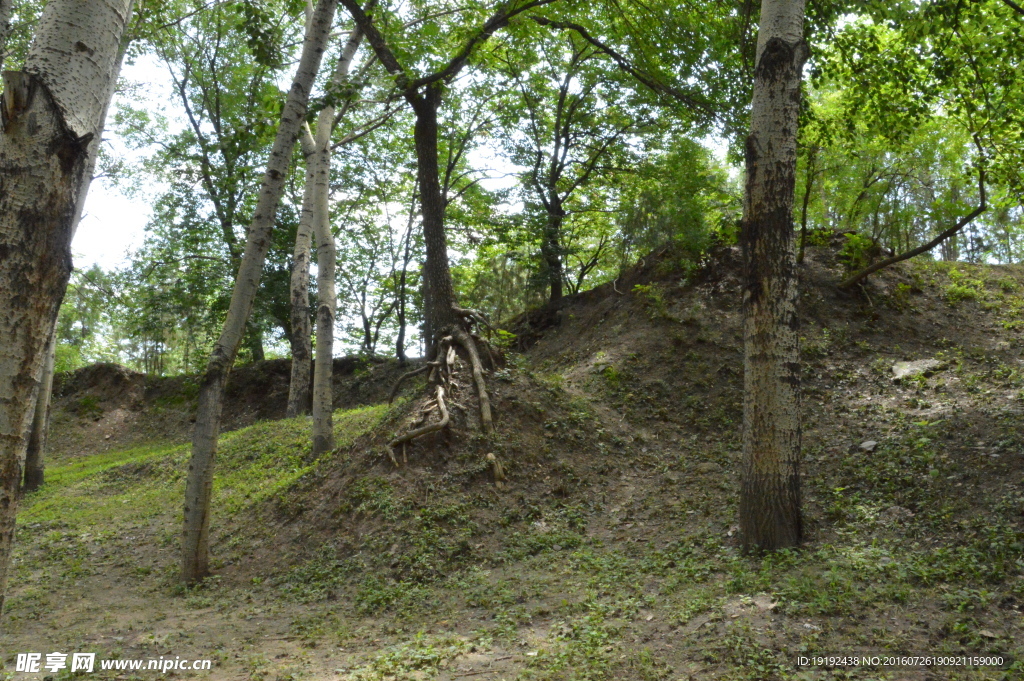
{"points": [[401, 379], [497, 470], [440, 374], [469, 345], [473, 316], [430, 427]]}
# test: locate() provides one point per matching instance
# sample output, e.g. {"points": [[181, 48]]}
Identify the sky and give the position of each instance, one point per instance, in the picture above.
{"points": [[113, 224]]}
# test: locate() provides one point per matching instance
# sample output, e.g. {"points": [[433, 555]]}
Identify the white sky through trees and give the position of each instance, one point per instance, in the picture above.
{"points": [[113, 223]]}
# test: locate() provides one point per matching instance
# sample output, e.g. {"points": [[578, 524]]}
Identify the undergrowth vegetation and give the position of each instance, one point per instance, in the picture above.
{"points": [[610, 552]]}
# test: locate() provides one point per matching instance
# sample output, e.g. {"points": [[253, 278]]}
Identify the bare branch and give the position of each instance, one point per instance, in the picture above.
{"points": [[966, 220]]}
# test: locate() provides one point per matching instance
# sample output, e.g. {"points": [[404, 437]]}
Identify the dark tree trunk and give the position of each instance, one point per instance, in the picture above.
{"points": [[255, 343], [402, 290], [551, 251], [439, 295], [808, 186]]}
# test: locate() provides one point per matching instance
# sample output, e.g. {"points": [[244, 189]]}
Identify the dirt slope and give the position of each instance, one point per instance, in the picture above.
{"points": [[104, 407], [609, 550]]}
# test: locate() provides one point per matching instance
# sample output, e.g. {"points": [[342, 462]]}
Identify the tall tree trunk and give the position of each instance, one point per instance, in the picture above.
{"points": [[326, 259], [199, 485], [34, 456], [315, 197], [439, 294], [550, 249], [50, 111], [770, 510], [403, 278], [812, 156], [299, 396]]}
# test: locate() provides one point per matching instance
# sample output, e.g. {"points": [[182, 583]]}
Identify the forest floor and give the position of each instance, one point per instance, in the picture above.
{"points": [[610, 551]]}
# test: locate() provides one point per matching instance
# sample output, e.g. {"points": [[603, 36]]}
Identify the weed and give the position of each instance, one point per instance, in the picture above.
{"points": [[423, 653], [653, 298]]}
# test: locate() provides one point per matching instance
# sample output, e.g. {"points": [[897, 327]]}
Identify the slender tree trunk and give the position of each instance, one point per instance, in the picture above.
{"points": [[5, 29], [439, 294], [326, 259], [34, 454], [808, 186], [199, 485], [770, 510], [315, 208], [50, 112], [402, 291], [299, 396]]}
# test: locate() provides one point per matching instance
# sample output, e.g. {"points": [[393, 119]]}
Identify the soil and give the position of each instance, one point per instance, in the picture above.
{"points": [[107, 407], [609, 549]]}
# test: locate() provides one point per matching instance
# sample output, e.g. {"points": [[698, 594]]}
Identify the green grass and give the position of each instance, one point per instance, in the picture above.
{"points": [[253, 465]]}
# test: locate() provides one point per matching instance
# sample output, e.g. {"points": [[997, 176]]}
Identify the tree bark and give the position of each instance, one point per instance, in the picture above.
{"points": [[326, 262], [770, 506], [318, 194], [50, 111], [5, 28], [316, 211], [551, 250], [34, 453], [199, 485], [299, 395], [439, 293], [315, 208]]}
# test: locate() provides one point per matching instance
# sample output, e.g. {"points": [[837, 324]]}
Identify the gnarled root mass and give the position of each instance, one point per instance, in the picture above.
{"points": [[441, 372]]}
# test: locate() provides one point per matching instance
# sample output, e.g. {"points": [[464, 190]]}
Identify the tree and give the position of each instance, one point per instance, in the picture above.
{"points": [[339, 102], [51, 110], [573, 127], [424, 94], [5, 28], [35, 453], [224, 62], [199, 485], [316, 213], [770, 507], [681, 196]]}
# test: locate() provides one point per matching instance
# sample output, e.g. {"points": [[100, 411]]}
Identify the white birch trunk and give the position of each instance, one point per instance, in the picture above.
{"points": [[50, 112], [302, 350], [35, 454], [770, 513], [199, 485], [315, 219], [5, 28], [326, 259]]}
